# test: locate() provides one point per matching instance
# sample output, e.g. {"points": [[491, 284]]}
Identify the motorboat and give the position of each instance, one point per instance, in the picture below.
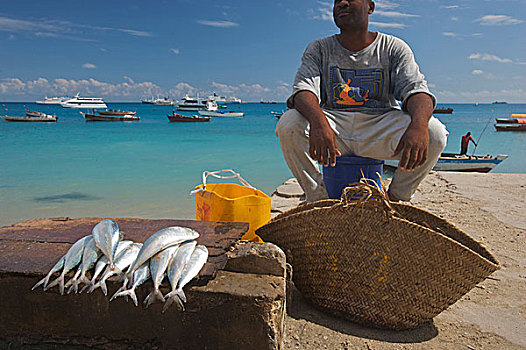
{"points": [[114, 112], [109, 118], [515, 122], [224, 100], [220, 113], [31, 116], [448, 110], [277, 114], [459, 162], [191, 104], [84, 102], [52, 100], [165, 101], [174, 117]]}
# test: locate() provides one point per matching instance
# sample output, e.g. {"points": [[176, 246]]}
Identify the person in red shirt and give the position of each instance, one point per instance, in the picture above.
{"points": [[465, 142]]}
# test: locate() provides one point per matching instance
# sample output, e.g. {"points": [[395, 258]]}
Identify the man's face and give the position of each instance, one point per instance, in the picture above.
{"points": [[352, 13]]}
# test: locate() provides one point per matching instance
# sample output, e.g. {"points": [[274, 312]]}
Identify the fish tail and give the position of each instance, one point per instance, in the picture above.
{"points": [[43, 281], [93, 287], [177, 296], [153, 296], [103, 287], [60, 281], [127, 293], [86, 286]]}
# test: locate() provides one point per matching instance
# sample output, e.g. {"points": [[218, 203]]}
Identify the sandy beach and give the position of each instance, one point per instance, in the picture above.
{"points": [[490, 207]]}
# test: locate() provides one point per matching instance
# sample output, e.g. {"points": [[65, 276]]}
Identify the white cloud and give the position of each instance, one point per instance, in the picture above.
{"points": [[455, 19], [12, 87], [175, 51], [477, 72], [450, 7], [218, 24], [498, 20], [388, 25], [459, 35], [89, 66], [59, 29], [130, 90], [324, 12], [450, 34], [394, 14], [386, 5], [488, 57]]}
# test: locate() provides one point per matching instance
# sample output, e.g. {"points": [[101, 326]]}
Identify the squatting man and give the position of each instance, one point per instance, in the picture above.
{"points": [[344, 101]]}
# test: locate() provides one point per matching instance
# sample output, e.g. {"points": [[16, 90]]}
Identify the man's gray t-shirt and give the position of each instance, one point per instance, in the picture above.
{"points": [[371, 80]]}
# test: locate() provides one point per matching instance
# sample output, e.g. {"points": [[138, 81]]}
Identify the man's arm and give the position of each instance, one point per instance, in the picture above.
{"points": [[322, 143], [414, 143]]}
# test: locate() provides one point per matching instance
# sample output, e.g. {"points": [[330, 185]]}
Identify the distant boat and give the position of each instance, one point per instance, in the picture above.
{"points": [[463, 163], [499, 103], [84, 102], [222, 113], [174, 117], [191, 104], [277, 114], [159, 101], [268, 102], [224, 100], [448, 110], [516, 122], [52, 100], [109, 118], [31, 117], [115, 112]]}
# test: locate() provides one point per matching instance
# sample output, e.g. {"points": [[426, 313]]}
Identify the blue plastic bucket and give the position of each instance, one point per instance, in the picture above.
{"points": [[349, 169]]}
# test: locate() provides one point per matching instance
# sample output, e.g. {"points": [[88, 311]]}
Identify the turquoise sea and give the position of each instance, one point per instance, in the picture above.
{"points": [[148, 168]]}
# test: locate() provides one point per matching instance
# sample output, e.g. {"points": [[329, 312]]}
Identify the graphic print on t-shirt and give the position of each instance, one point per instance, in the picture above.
{"points": [[351, 88]]}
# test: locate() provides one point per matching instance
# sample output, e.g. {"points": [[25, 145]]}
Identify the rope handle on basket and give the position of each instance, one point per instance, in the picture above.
{"points": [[216, 174], [359, 193]]}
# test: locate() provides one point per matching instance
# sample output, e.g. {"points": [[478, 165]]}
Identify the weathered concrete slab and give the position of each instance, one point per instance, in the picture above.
{"points": [[260, 258], [225, 310]]}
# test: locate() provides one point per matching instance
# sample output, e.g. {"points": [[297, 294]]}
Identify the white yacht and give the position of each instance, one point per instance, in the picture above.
{"points": [[223, 99], [52, 100], [84, 102], [191, 104]]}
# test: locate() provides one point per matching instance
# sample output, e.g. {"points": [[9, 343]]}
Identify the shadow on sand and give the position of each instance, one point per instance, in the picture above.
{"points": [[299, 308]]}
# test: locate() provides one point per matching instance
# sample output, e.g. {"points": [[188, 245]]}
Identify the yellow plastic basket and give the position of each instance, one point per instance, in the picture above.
{"points": [[232, 202]]}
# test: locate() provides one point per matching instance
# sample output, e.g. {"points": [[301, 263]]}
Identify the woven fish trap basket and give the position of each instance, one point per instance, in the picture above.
{"points": [[378, 263]]}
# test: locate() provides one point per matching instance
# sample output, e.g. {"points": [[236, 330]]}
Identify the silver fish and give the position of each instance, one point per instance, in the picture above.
{"points": [[107, 236], [103, 262], [193, 266], [44, 281], [160, 240], [141, 275], [71, 259], [158, 265], [89, 257], [176, 267], [122, 261]]}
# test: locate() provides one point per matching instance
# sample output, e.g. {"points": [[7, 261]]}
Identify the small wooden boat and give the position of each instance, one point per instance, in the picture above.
{"points": [[30, 119], [115, 112], [448, 110], [221, 113], [457, 162], [515, 122], [277, 114], [511, 127], [174, 117], [109, 118], [37, 114]]}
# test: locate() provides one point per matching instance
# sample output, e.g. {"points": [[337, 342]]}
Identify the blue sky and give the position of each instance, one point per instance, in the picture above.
{"points": [[469, 50]]}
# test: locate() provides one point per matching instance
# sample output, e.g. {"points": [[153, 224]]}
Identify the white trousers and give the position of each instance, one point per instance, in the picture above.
{"points": [[364, 135]]}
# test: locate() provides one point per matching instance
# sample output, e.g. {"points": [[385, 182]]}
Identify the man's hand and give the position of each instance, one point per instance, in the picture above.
{"points": [[412, 147], [322, 144], [414, 143]]}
